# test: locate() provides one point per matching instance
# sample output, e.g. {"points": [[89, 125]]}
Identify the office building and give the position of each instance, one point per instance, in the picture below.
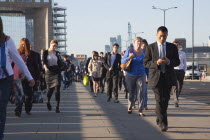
{"points": [[117, 40], [107, 48], [28, 18], [59, 24], [37, 20]]}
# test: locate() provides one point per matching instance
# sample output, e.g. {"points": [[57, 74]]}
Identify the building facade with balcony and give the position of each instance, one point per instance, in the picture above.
{"points": [[59, 25], [30, 19]]}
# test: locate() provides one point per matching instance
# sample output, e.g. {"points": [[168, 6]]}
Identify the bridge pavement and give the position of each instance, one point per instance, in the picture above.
{"points": [[84, 117]]}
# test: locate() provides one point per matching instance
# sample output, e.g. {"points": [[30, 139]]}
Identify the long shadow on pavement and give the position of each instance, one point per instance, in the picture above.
{"points": [[128, 126], [44, 124]]}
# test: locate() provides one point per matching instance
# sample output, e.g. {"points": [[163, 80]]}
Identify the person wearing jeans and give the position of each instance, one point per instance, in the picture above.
{"points": [[8, 52], [135, 78], [143, 46]]}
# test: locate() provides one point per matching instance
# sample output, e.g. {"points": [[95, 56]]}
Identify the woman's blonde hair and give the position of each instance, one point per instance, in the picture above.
{"points": [[137, 38]]}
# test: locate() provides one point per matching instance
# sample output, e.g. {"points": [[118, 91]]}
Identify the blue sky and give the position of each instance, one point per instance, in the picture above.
{"points": [[92, 22]]}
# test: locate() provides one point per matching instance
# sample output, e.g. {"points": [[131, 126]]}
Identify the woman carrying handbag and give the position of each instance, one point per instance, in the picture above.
{"points": [[53, 66], [135, 77]]}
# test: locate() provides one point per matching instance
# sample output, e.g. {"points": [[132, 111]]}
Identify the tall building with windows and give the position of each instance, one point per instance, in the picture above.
{"points": [[107, 48], [59, 24], [117, 40], [37, 20], [112, 41]]}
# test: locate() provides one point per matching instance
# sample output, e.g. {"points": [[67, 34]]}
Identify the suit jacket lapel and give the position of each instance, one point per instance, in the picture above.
{"points": [[110, 55], [167, 50], [156, 51]]}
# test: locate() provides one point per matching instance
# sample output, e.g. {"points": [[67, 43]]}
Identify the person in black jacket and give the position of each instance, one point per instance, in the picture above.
{"points": [[103, 73], [31, 60], [52, 64], [112, 63], [161, 57]]}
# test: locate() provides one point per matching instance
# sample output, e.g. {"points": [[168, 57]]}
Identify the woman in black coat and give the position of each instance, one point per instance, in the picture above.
{"points": [[52, 63], [31, 60]]}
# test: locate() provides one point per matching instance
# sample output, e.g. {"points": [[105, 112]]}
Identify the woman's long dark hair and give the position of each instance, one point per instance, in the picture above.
{"points": [[26, 49], [2, 35]]}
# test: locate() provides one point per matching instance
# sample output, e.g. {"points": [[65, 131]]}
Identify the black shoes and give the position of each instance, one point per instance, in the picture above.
{"points": [[18, 114], [163, 127], [129, 111], [28, 113], [108, 100], [176, 105], [49, 107], [57, 110], [158, 122]]}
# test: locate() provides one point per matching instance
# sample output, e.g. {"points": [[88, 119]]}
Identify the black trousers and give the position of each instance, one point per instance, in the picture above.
{"points": [[91, 83], [180, 80], [28, 96], [120, 79], [162, 97], [55, 90], [112, 86], [102, 83]]}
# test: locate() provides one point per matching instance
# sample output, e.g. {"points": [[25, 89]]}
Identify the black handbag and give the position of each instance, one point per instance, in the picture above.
{"points": [[62, 65]]}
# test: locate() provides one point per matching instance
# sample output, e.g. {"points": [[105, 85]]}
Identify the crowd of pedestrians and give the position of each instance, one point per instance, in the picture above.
{"points": [[160, 65], [24, 71]]}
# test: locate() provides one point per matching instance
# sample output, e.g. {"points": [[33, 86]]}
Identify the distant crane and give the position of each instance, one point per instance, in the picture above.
{"points": [[129, 34]]}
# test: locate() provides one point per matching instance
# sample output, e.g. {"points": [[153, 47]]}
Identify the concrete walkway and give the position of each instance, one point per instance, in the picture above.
{"points": [[84, 117]]}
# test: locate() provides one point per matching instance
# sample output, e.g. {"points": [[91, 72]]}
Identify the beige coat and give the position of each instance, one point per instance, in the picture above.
{"points": [[94, 68]]}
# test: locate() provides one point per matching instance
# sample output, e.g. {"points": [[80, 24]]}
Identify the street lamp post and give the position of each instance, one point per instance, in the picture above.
{"points": [[192, 39], [137, 33], [164, 11]]}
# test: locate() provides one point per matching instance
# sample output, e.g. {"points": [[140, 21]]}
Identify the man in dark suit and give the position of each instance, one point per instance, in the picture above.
{"points": [[112, 63], [161, 57]]}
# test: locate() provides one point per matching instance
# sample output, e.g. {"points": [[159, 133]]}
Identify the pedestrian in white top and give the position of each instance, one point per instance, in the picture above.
{"points": [[180, 73], [8, 51]]}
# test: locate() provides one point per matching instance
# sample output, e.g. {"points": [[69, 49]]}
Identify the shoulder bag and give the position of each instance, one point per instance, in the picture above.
{"points": [[127, 66]]}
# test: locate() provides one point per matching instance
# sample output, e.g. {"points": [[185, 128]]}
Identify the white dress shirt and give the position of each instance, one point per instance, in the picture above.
{"points": [[164, 46], [182, 58], [12, 54]]}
